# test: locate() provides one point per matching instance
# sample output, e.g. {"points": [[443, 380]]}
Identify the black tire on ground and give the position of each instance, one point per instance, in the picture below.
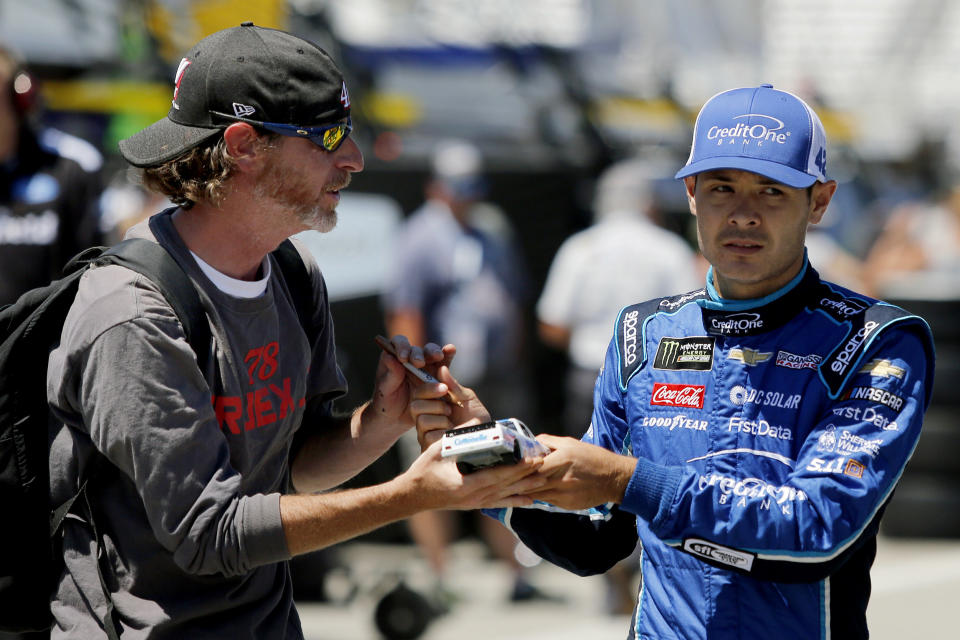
{"points": [[402, 614]]}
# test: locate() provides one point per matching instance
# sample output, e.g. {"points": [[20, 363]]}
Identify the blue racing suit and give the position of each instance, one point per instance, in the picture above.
{"points": [[770, 434]]}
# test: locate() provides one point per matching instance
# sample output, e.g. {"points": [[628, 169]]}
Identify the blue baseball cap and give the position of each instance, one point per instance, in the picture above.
{"points": [[763, 130]]}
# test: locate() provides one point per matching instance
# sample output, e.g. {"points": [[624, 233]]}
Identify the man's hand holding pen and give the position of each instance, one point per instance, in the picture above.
{"points": [[439, 404]]}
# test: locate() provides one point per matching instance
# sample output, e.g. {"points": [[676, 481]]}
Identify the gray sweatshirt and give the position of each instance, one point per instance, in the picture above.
{"points": [[189, 507]]}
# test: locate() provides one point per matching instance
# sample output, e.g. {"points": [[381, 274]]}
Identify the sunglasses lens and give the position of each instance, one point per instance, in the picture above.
{"points": [[333, 136]]}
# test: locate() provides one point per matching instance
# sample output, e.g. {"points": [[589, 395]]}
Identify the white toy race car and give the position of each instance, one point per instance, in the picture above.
{"points": [[490, 444]]}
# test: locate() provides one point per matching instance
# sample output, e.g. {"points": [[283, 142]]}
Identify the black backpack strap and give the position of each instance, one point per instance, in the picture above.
{"points": [[155, 263], [298, 281]]}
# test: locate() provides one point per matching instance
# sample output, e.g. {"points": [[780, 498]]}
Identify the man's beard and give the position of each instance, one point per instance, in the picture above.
{"points": [[292, 191]]}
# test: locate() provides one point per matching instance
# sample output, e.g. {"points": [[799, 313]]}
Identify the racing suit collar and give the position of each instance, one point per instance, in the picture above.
{"points": [[724, 317]]}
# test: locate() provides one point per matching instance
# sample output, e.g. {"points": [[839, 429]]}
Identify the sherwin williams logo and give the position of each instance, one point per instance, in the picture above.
{"points": [[694, 353], [767, 129], [689, 396], [749, 357]]}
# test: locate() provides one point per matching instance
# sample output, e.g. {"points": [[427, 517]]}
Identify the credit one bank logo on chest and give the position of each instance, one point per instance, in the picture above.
{"points": [[767, 129]]}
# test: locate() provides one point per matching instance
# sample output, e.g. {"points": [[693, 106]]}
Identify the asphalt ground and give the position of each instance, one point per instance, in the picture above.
{"points": [[916, 591]]}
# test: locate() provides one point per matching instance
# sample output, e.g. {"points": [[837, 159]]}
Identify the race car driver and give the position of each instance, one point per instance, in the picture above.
{"points": [[751, 432]]}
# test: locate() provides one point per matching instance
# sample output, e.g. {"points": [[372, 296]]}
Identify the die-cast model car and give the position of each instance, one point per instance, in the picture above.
{"points": [[490, 444]]}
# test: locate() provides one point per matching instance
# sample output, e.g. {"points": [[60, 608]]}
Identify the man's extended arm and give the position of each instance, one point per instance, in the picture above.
{"points": [[346, 445], [312, 522]]}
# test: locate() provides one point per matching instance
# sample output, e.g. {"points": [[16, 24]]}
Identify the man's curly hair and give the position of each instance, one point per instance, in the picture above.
{"points": [[198, 175]]}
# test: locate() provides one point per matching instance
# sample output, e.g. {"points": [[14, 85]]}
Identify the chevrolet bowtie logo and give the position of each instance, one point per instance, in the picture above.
{"points": [[883, 369], [749, 356]]}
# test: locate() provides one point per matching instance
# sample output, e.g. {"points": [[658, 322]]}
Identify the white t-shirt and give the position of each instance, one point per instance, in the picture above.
{"points": [[603, 268]]}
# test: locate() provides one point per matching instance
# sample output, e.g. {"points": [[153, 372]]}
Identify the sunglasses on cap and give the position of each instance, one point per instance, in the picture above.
{"points": [[328, 137]]}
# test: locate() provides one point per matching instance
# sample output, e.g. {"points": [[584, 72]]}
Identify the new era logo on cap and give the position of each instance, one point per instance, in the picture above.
{"points": [[243, 110], [762, 130]]}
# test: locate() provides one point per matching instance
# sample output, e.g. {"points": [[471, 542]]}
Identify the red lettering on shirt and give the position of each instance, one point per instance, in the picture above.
{"points": [[264, 358], [228, 409], [286, 397], [260, 407]]}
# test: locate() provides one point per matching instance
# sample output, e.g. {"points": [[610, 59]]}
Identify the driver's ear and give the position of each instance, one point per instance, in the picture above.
{"points": [[690, 182], [820, 199]]}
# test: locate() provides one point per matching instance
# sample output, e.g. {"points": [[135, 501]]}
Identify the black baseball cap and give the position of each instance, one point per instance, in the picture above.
{"points": [[246, 73]]}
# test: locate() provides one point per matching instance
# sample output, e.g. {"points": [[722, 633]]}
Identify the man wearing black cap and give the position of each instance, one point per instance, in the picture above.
{"points": [[751, 432], [194, 521]]}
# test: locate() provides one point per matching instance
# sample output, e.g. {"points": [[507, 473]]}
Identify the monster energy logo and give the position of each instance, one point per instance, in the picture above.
{"points": [[694, 353]]}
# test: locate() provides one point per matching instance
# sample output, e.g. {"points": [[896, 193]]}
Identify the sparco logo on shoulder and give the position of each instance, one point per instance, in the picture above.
{"points": [[736, 323], [630, 337], [842, 361], [678, 395]]}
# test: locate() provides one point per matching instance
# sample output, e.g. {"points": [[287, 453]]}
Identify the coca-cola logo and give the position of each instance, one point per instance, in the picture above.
{"points": [[678, 395]]}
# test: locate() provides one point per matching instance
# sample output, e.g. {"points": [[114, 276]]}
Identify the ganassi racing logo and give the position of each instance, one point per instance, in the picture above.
{"points": [[793, 361]]}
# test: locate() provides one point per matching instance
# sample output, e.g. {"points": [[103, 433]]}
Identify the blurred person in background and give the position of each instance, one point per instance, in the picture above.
{"points": [[50, 185], [210, 477], [458, 277], [626, 255], [751, 433], [917, 254]]}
